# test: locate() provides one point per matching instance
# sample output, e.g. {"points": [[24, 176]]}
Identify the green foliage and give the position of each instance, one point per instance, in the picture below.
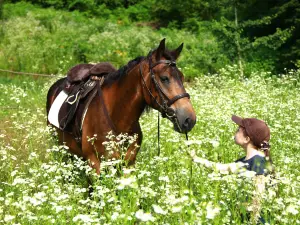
{"points": [[171, 11], [265, 40], [266, 35], [1, 8], [270, 28], [50, 41]]}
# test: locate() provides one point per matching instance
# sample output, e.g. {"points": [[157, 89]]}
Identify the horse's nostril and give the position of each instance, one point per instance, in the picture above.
{"points": [[187, 122]]}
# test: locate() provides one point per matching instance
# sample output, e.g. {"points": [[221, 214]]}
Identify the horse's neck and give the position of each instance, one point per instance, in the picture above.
{"points": [[127, 101]]}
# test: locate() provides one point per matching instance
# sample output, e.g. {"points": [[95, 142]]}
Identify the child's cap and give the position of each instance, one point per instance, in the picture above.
{"points": [[257, 130]]}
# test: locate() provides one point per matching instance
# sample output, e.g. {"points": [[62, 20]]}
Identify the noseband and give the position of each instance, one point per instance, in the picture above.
{"points": [[165, 108]]}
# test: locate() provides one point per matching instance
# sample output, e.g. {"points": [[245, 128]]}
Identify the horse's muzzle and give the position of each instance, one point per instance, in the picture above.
{"points": [[186, 120]]}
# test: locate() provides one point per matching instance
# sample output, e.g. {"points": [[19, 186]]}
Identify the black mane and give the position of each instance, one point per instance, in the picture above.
{"points": [[117, 75]]}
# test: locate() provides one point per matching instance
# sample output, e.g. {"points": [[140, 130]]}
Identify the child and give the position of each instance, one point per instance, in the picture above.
{"points": [[253, 136]]}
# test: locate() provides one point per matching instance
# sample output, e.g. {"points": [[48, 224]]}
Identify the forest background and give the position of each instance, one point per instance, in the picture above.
{"points": [[255, 35]]}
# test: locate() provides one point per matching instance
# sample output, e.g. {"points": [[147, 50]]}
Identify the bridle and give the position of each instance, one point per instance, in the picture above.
{"points": [[165, 108]]}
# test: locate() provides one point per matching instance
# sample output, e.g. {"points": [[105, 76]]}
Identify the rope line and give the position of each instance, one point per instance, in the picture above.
{"points": [[32, 74]]}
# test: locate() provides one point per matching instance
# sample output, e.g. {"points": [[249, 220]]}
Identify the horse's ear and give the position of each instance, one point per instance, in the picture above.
{"points": [[177, 51], [161, 49]]}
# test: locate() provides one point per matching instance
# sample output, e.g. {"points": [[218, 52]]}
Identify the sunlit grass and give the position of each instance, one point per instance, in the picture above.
{"points": [[40, 184]]}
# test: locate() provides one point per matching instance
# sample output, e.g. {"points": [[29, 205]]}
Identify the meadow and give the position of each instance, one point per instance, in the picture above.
{"points": [[41, 183]]}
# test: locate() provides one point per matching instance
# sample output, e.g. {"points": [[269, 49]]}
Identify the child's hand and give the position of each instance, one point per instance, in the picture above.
{"points": [[199, 160]]}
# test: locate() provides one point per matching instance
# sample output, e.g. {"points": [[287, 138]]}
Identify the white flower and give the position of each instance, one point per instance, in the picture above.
{"points": [[144, 216], [165, 178], [287, 160], [159, 210], [58, 208], [271, 194], [292, 209], [34, 201], [190, 142], [110, 163], [215, 143], [176, 209], [62, 197], [114, 216], [19, 180], [112, 199], [212, 212], [126, 182], [248, 174], [8, 218], [128, 171], [13, 173], [33, 155], [40, 195], [83, 218], [186, 191]]}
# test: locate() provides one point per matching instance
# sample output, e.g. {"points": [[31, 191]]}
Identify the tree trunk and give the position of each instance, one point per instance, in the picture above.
{"points": [[238, 43]]}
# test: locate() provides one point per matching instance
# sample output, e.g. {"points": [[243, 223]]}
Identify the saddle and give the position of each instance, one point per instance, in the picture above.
{"points": [[81, 86], [82, 72]]}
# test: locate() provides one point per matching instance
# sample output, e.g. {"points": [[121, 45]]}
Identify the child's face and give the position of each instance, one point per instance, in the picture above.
{"points": [[241, 138]]}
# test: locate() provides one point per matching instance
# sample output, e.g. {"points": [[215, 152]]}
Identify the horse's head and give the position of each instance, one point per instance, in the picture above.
{"points": [[163, 88]]}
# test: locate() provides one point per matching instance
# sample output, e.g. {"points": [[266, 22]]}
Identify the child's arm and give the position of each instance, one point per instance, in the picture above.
{"points": [[220, 167]]}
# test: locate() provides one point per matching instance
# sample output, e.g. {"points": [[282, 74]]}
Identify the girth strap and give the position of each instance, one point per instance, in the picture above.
{"points": [[111, 124]]}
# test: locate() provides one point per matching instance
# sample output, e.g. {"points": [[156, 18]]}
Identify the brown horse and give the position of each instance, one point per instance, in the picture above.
{"points": [[153, 81]]}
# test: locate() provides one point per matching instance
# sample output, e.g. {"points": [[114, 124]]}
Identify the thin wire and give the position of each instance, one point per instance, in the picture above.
{"points": [[32, 74], [191, 166], [158, 133]]}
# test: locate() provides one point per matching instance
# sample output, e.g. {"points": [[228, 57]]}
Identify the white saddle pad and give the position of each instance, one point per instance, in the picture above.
{"points": [[55, 107]]}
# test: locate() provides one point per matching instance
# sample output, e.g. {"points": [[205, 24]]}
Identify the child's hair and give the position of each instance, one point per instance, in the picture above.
{"points": [[259, 134], [265, 147]]}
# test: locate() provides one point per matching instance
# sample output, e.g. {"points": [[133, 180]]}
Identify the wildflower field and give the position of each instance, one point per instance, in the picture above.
{"points": [[40, 183]]}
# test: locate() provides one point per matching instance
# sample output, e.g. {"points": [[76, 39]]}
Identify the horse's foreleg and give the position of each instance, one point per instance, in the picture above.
{"points": [[94, 162], [132, 151], [91, 155], [131, 154]]}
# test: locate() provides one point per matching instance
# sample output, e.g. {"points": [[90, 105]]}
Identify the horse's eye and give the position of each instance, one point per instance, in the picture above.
{"points": [[164, 79]]}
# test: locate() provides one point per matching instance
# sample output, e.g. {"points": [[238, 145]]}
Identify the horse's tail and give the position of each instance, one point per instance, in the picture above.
{"points": [[53, 92]]}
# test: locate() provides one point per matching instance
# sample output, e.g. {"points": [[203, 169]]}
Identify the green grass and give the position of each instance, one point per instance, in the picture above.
{"points": [[39, 184]]}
